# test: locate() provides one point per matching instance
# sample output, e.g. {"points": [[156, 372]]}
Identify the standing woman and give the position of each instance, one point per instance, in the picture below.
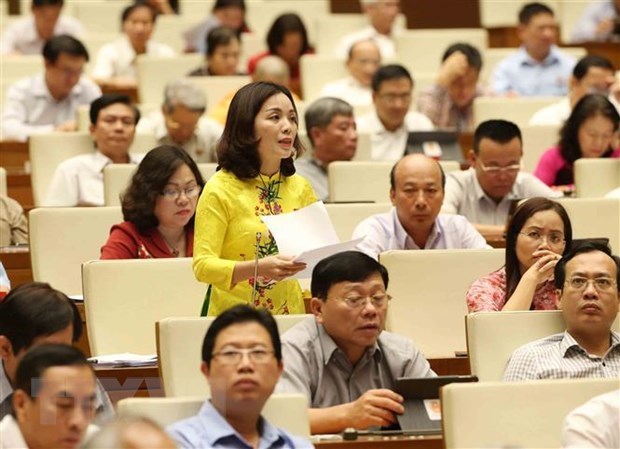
{"points": [[256, 177], [158, 208], [538, 234], [590, 131]]}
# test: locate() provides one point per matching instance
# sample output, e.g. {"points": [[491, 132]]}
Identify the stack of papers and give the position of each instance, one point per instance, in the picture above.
{"points": [[124, 359]]}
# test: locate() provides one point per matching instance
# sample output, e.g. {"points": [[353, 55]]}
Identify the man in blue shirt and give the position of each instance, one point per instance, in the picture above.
{"points": [[242, 361], [538, 68]]}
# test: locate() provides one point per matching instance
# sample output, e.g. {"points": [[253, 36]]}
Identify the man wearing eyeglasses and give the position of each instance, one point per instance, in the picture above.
{"points": [[342, 359], [417, 191], [587, 280], [242, 361], [484, 193]]}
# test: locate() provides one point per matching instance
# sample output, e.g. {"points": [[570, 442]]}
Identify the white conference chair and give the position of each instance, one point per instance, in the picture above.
{"points": [[429, 290], [217, 87], [125, 298], [345, 217], [179, 343], [493, 336], [286, 411], [155, 72], [318, 70], [595, 217], [61, 239], [3, 188], [507, 414], [99, 17], [594, 178], [518, 110], [536, 140]]}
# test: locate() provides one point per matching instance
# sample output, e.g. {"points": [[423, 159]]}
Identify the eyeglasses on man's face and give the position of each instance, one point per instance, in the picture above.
{"points": [[496, 169], [356, 302], [234, 356], [601, 284]]}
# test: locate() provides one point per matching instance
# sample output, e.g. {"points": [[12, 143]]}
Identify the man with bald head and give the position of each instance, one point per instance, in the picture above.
{"points": [[417, 191], [363, 61]]}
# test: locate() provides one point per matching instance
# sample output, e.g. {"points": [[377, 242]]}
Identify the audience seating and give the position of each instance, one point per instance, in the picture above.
{"points": [[345, 217], [568, 14], [345, 186], [524, 414], [594, 178], [124, 299], [197, 11], [251, 44], [15, 67], [93, 41], [218, 87], [536, 140], [99, 17], [286, 411], [116, 178], [429, 290], [422, 49], [3, 189], [155, 72], [169, 30], [317, 71], [61, 239], [179, 343], [595, 217], [48, 150], [518, 110], [493, 336]]}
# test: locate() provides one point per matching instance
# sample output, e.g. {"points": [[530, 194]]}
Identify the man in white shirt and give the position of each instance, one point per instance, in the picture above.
{"points": [[417, 191], [382, 16], [363, 61], [595, 423], [392, 121], [181, 123], [484, 193], [27, 36], [591, 74], [48, 102], [78, 181], [53, 401], [333, 136]]}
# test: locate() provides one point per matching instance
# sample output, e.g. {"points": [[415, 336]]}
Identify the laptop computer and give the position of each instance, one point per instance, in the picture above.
{"points": [[422, 407], [442, 145]]}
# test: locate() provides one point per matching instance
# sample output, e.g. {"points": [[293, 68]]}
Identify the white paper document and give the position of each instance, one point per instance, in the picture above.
{"points": [[124, 359], [308, 235]]}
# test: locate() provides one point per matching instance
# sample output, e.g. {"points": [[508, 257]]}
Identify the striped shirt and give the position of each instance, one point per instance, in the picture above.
{"points": [[560, 356]]}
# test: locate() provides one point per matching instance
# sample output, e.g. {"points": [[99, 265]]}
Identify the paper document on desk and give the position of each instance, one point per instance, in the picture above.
{"points": [[124, 359], [307, 234]]}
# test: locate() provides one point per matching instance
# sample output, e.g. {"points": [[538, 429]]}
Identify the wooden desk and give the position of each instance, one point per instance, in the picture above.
{"points": [[385, 442], [16, 262], [13, 155], [121, 383]]}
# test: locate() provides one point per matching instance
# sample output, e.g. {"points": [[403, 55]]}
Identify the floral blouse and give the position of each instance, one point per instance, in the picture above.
{"points": [[488, 294], [227, 221]]}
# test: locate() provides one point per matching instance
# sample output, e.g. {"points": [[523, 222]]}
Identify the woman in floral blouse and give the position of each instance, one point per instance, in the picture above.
{"points": [[257, 178], [538, 234]]}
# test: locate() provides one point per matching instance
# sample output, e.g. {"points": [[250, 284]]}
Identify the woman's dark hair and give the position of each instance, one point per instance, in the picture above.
{"points": [[524, 212], [159, 164], [284, 24], [589, 106], [237, 150], [219, 37]]}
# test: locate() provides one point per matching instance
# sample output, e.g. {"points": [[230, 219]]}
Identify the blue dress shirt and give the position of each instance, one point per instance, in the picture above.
{"points": [[522, 74], [210, 430]]}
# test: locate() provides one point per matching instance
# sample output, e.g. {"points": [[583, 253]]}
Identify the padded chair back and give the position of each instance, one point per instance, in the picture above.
{"points": [[422, 49], [345, 217], [99, 17], [217, 87], [117, 177], [318, 70], [594, 178], [124, 299], [507, 414], [15, 67], [536, 140], [179, 343], [429, 290], [3, 188], [155, 72], [492, 337], [518, 110], [169, 30], [48, 150], [286, 411], [62, 239], [606, 224], [344, 176]]}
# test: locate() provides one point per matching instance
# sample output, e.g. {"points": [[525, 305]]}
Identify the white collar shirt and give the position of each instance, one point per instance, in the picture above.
{"points": [[386, 44], [350, 90], [21, 35]]}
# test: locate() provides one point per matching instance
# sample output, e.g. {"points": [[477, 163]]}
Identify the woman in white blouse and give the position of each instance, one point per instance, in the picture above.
{"points": [[116, 62]]}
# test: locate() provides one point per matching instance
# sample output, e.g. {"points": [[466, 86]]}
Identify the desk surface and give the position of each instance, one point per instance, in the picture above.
{"points": [[387, 442]]}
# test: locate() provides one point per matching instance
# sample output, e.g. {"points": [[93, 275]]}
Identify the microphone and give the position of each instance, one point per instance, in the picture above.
{"points": [[254, 290]]}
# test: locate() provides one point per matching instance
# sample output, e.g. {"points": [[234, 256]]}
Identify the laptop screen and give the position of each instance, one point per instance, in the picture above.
{"points": [[442, 145]]}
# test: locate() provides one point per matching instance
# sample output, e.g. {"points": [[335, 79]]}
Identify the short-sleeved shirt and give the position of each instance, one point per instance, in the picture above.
{"points": [[31, 109], [559, 356], [210, 430], [594, 424], [348, 89], [521, 73], [315, 366], [21, 36], [78, 181], [465, 196], [383, 232], [390, 145], [488, 294]]}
